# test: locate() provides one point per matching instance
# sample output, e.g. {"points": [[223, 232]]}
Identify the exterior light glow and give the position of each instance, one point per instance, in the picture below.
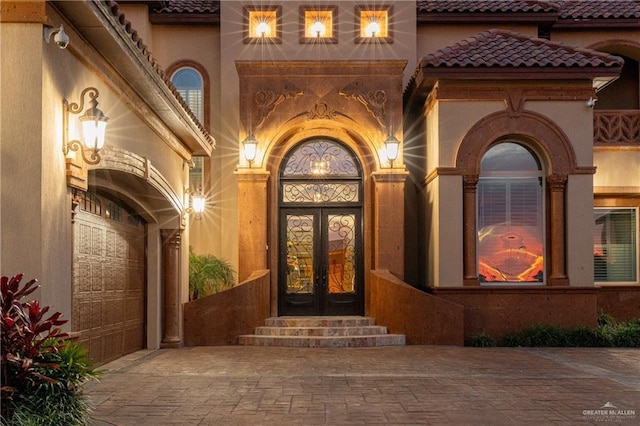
{"points": [[262, 29], [94, 125], [392, 145], [250, 148], [373, 29], [318, 29]]}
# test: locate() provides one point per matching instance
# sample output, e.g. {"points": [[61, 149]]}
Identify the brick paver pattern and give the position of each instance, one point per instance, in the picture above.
{"points": [[426, 385]]}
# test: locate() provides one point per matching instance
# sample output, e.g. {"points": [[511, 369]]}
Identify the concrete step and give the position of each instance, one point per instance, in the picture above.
{"points": [[322, 332], [367, 330], [324, 341]]}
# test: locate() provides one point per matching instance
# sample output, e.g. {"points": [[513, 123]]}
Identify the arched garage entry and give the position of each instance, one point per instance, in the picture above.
{"points": [[126, 265]]}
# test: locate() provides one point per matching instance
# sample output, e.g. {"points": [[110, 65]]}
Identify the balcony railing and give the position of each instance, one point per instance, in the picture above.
{"points": [[616, 127]]}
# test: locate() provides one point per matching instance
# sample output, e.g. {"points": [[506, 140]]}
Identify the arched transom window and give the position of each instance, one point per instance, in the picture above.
{"points": [[510, 216], [321, 171]]}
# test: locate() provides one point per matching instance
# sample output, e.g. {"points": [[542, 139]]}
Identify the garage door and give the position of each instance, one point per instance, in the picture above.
{"points": [[108, 277]]}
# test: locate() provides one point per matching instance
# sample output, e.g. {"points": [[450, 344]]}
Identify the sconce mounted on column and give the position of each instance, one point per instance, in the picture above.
{"points": [[391, 145], [250, 145], [94, 125]]}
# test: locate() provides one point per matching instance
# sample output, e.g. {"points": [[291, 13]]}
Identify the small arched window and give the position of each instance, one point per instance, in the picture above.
{"points": [[510, 215], [190, 85]]}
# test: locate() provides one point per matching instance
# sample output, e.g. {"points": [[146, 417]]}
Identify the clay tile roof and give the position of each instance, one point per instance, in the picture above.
{"points": [[485, 6], [599, 9], [189, 6], [505, 49], [155, 65]]}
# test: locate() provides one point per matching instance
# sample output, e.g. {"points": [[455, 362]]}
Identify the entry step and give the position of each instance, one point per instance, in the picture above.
{"points": [[322, 332]]}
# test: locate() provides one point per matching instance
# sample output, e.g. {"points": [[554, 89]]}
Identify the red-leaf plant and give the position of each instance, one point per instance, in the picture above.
{"points": [[24, 332]]}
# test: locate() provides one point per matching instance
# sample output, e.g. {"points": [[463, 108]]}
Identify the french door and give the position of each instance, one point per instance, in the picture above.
{"points": [[321, 262]]}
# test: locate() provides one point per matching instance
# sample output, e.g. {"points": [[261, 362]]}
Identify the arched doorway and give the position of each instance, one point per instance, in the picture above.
{"points": [[320, 230]]}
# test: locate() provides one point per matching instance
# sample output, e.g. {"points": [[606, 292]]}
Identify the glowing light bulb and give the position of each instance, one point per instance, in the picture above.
{"points": [[262, 29], [318, 29], [373, 29]]}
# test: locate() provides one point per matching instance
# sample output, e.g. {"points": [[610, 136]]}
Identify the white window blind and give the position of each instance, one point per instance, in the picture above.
{"points": [[615, 247]]}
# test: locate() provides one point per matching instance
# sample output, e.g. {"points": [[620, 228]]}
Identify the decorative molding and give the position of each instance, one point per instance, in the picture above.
{"points": [[267, 100], [616, 127], [375, 101], [557, 182]]}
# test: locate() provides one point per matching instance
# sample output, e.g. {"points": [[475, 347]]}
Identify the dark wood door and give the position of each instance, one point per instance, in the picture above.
{"points": [[321, 261]]}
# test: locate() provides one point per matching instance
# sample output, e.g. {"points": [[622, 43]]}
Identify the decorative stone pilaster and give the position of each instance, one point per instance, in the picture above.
{"points": [[388, 222], [557, 185], [252, 221], [171, 240], [470, 185]]}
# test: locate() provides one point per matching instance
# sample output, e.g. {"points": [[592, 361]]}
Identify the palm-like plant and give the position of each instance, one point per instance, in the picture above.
{"points": [[208, 275]]}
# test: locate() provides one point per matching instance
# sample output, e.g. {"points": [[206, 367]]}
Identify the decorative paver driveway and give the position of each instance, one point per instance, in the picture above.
{"points": [[239, 385]]}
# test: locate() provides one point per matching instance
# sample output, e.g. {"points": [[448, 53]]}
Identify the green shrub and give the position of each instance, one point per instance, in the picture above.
{"points": [[208, 275], [482, 340], [608, 333]]}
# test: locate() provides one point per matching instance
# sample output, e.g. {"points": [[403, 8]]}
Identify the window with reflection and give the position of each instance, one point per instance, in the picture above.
{"points": [[615, 245], [510, 216], [189, 83]]}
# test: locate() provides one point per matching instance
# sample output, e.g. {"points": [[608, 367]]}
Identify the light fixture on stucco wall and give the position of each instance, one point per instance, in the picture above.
{"points": [[94, 126], [195, 202], [250, 145], [391, 145]]}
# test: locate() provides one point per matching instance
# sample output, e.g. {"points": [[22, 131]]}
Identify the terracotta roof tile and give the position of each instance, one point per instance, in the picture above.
{"points": [[155, 65], [190, 6], [599, 9], [486, 6], [506, 49]]}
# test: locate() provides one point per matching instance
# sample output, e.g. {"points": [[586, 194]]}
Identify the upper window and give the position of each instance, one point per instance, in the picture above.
{"points": [[189, 83], [615, 245], [510, 216]]}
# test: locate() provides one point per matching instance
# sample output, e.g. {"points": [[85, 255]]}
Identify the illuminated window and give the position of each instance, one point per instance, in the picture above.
{"points": [[374, 24], [262, 24], [510, 216], [318, 24]]}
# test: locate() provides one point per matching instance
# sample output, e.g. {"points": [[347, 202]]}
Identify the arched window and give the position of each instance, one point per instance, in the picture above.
{"points": [[510, 216], [190, 84]]}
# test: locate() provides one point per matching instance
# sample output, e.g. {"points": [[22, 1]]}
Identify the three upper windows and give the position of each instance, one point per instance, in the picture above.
{"points": [[318, 24]]}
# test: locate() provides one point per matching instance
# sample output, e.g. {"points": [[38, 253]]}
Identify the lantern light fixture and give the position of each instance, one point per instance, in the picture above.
{"points": [[94, 125], [195, 202], [250, 145], [392, 145]]}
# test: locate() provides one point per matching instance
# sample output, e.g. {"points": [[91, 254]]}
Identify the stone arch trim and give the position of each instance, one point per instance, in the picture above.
{"points": [[206, 85], [554, 147], [534, 128], [128, 162]]}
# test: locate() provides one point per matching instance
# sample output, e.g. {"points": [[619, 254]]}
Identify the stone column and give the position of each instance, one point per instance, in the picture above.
{"points": [[388, 222], [252, 222], [558, 269], [470, 231], [171, 285]]}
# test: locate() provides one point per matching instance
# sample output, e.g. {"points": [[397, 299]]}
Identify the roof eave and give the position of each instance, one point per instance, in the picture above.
{"points": [[184, 18], [523, 73], [489, 18], [597, 23], [103, 30]]}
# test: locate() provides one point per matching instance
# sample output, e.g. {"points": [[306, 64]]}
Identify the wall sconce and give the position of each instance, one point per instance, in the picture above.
{"points": [[318, 24], [262, 24], [94, 125], [250, 148], [61, 39], [195, 202], [374, 23], [391, 145]]}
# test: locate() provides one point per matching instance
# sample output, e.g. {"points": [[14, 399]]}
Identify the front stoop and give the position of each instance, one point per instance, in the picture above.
{"points": [[322, 332]]}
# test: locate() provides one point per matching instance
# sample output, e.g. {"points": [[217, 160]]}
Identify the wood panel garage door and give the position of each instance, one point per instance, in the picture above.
{"points": [[108, 278]]}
